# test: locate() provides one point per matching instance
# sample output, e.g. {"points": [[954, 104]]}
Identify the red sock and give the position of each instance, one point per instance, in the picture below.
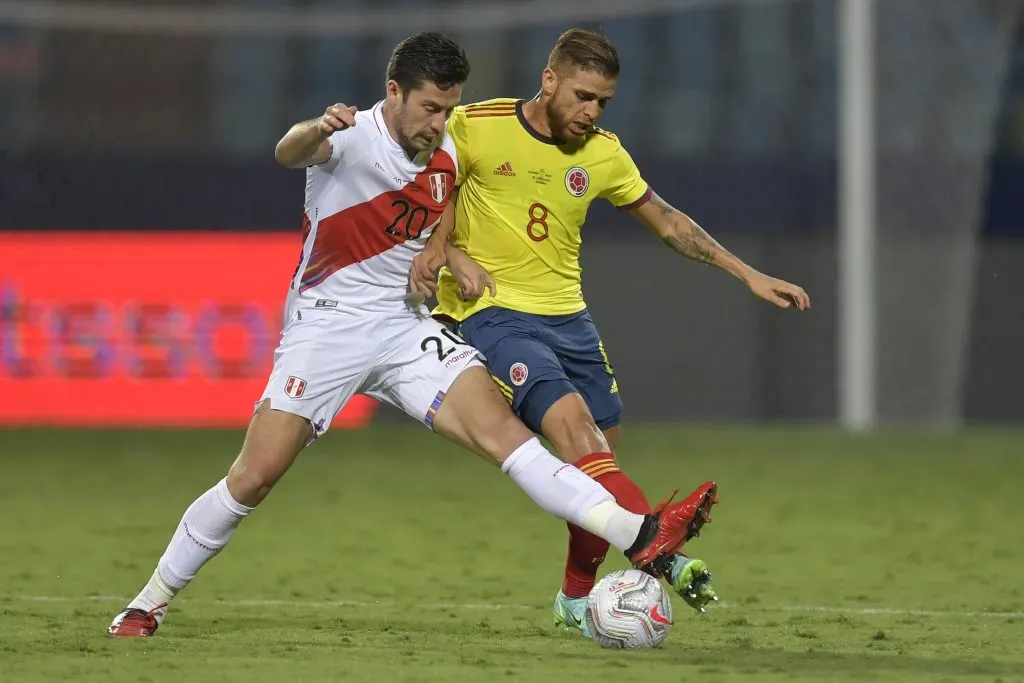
{"points": [[587, 551]]}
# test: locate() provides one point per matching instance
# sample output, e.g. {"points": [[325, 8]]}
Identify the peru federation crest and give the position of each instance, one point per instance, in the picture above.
{"points": [[439, 186]]}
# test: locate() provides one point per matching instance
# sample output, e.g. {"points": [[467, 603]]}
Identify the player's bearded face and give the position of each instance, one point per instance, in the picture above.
{"points": [[577, 101], [422, 113]]}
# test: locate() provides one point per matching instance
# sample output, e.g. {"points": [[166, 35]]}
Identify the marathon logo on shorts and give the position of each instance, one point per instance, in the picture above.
{"points": [[518, 373], [462, 355], [439, 186], [295, 386]]}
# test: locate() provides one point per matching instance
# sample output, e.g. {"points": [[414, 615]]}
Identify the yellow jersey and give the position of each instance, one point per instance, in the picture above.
{"points": [[523, 198]]}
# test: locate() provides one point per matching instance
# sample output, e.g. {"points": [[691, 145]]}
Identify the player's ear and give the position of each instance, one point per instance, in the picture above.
{"points": [[394, 92], [548, 81]]}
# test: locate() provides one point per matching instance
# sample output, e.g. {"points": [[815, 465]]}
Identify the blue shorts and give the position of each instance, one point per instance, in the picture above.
{"points": [[538, 359]]}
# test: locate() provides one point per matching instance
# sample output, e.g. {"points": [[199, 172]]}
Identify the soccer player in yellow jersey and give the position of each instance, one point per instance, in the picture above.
{"points": [[528, 172]]}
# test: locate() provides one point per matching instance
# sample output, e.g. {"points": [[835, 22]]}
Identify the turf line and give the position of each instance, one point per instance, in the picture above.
{"points": [[328, 604]]}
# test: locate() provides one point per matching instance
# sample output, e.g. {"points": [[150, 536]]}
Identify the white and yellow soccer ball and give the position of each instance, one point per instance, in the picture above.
{"points": [[629, 609]]}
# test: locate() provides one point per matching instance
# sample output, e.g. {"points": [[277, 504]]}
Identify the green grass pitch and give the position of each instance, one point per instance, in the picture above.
{"points": [[388, 555]]}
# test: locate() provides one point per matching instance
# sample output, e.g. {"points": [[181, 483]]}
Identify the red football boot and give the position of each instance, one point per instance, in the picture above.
{"points": [[135, 623], [675, 524]]}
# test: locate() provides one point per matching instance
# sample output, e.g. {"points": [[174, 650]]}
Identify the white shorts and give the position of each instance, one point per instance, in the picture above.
{"points": [[326, 356]]}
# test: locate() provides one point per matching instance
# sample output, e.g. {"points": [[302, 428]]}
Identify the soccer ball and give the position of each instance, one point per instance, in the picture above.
{"points": [[628, 609]]}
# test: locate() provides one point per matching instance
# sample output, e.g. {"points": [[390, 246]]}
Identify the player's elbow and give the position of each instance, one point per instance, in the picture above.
{"points": [[662, 231], [291, 151], [659, 227], [283, 155]]}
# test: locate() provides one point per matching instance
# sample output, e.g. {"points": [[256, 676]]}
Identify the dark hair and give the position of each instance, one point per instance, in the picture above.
{"points": [[430, 57], [582, 49]]}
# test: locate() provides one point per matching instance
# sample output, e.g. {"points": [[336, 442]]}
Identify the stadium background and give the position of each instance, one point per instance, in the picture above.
{"points": [[729, 109], [146, 236]]}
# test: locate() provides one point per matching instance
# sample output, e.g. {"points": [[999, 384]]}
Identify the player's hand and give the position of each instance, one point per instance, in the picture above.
{"points": [[473, 280], [423, 274], [337, 117], [779, 292]]}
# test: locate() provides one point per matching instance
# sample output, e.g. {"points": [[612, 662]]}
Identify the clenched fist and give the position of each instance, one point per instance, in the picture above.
{"points": [[337, 117]]}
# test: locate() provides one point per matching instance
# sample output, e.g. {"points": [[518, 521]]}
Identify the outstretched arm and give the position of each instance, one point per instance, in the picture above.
{"points": [[306, 143], [682, 233]]}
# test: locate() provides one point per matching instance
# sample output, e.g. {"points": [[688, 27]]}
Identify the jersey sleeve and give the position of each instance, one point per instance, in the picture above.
{"points": [[626, 188], [459, 134], [337, 140]]}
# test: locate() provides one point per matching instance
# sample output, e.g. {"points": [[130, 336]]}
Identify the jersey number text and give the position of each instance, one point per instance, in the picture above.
{"points": [[537, 227], [412, 219], [442, 352]]}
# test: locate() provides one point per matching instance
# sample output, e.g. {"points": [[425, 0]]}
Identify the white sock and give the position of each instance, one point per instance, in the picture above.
{"points": [[566, 492], [205, 528], [615, 524]]}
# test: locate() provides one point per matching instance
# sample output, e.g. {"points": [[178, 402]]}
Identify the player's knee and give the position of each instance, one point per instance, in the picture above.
{"points": [[476, 415], [271, 445], [249, 484], [256, 470], [497, 432], [571, 428]]}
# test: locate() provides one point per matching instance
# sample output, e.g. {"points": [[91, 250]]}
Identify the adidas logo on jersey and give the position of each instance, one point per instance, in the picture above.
{"points": [[505, 169]]}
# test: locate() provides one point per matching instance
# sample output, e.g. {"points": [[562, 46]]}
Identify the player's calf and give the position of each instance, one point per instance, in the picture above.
{"points": [[569, 425], [272, 442], [204, 529], [474, 415], [271, 445]]}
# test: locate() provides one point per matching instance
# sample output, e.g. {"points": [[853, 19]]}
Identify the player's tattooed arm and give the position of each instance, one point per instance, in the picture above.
{"points": [[682, 233], [692, 242]]}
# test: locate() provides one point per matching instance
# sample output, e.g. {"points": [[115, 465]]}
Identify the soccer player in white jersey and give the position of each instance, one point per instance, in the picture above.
{"points": [[377, 182]]}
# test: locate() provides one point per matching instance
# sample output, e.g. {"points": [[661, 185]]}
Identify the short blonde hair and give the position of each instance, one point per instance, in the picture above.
{"points": [[582, 49]]}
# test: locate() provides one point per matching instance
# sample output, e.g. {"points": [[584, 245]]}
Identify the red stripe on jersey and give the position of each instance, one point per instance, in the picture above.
{"points": [[484, 107], [374, 226], [306, 227], [646, 197]]}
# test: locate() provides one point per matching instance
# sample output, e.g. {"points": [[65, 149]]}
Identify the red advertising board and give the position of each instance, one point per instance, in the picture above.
{"points": [[142, 329]]}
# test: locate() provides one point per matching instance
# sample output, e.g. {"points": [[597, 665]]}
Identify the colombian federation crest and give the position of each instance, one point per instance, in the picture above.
{"points": [[577, 180], [439, 186], [518, 373]]}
